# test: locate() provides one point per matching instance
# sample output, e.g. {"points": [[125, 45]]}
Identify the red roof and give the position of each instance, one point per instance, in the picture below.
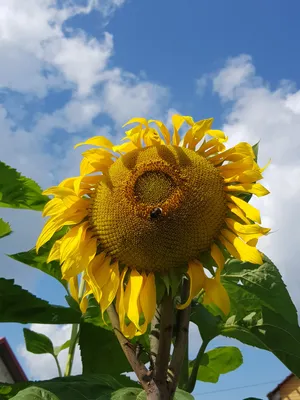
{"points": [[11, 362]]}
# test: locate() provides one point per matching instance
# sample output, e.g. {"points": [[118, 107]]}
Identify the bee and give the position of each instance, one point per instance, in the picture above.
{"points": [[155, 213]]}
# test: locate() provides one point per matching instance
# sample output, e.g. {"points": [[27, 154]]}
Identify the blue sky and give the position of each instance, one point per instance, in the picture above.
{"points": [[69, 73]]}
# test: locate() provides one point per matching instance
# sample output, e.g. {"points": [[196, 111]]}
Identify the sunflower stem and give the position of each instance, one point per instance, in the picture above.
{"points": [[181, 341], [164, 316], [144, 375], [192, 380], [184, 374], [74, 334]]}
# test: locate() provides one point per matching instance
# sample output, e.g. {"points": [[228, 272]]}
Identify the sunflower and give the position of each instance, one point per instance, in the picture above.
{"points": [[153, 206]]}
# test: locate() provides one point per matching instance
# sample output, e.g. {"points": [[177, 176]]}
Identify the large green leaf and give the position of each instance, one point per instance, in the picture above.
{"points": [[39, 261], [220, 360], [17, 191], [37, 343], [93, 387], [19, 305], [266, 284], [262, 312], [97, 346], [127, 394], [35, 393], [5, 229]]}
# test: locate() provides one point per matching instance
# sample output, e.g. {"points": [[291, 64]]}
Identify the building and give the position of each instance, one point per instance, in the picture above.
{"points": [[289, 389], [10, 369]]}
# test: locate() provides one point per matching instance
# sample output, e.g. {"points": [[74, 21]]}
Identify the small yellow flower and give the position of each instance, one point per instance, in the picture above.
{"points": [[152, 205]]}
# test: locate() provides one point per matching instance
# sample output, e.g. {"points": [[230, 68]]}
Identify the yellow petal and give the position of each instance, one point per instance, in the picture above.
{"points": [[242, 149], [109, 290], [100, 141], [246, 229], [97, 274], [216, 293], [231, 249], [197, 132], [250, 211], [237, 166], [73, 286], [197, 279], [120, 300], [88, 167], [254, 188], [71, 241], [130, 330], [148, 298], [125, 147], [132, 293], [165, 132], [217, 255], [249, 176], [54, 206], [141, 121], [246, 252], [59, 191], [220, 135], [54, 253], [237, 211], [55, 223]]}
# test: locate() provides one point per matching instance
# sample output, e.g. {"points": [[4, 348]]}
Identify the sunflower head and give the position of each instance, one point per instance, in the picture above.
{"points": [[153, 205]]}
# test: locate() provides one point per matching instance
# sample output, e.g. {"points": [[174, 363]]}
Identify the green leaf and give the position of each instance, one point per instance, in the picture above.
{"points": [[58, 349], [208, 324], [182, 395], [39, 261], [219, 361], [35, 393], [17, 191], [93, 387], [127, 394], [97, 346], [5, 229], [281, 337], [19, 305], [266, 284], [37, 343]]}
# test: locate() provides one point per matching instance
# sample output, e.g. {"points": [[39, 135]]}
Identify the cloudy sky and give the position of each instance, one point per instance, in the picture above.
{"points": [[77, 68]]}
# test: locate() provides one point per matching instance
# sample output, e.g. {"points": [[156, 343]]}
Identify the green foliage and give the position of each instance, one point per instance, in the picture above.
{"points": [[92, 387], [39, 261], [266, 284], [127, 394], [17, 191], [97, 346], [37, 343], [35, 393], [262, 312], [19, 305], [220, 360], [5, 229], [58, 349]]}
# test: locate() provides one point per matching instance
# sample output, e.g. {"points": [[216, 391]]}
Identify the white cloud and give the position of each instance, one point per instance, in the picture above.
{"points": [[37, 55], [125, 98], [47, 368], [239, 71], [273, 117]]}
